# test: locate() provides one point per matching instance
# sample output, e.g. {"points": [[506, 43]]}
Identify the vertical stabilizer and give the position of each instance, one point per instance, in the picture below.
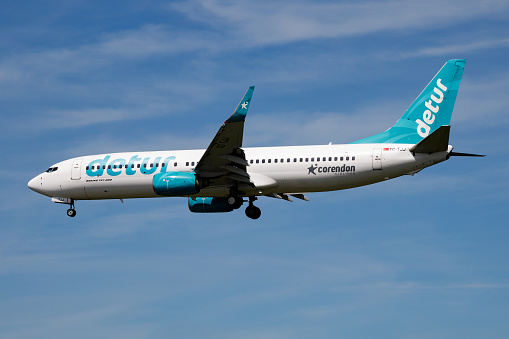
{"points": [[432, 108]]}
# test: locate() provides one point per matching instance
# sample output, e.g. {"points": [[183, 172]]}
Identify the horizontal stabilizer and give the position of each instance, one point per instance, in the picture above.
{"points": [[458, 154], [438, 141]]}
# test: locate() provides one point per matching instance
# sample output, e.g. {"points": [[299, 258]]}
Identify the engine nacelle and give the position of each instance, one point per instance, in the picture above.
{"points": [[209, 205], [173, 184]]}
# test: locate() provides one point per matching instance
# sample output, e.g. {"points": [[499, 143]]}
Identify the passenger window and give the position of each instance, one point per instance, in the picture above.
{"points": [[312, 159], [192, 164], [341, 158], [157, 164], [353, 158], [187, 163], [138, 165], [269, 160], [175, 164], [307, 159], [104, 166], [109, 166], [335, 158], [50, 168], [263, 161], [257, 161], [347, 158], [251, 161], [324, 159], [330, 158], [294, 159], [301, 159], [318, 159], [275, 161]]}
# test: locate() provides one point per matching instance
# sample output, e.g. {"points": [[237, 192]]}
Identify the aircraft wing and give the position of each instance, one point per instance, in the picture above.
{"points": [[224, 161]]}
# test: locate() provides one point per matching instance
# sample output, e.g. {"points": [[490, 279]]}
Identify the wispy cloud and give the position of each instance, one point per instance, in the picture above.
{"points": [[274, 23], [165, 77], [308, 128], [458, 49], [483, 99]]}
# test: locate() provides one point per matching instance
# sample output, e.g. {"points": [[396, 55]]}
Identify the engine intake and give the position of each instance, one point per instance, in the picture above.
{"points": [[173, 184]]}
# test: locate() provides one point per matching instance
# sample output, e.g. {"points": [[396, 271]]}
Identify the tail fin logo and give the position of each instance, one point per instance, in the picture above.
{"points": [[428, 117]]}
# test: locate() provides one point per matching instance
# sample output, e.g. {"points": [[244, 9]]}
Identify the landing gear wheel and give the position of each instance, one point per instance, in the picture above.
{"points": [[235, 202], [253, 212], [71, 211]]}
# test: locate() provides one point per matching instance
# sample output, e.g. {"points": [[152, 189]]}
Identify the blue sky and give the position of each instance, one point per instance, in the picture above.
{"points": [[415, 257]]}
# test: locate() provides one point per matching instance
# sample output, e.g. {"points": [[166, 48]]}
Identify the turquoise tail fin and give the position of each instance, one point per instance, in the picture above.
{"points": [[432, 108]]}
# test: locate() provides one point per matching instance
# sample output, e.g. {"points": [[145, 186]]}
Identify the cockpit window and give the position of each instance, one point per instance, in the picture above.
{"points": [[51, 169]]}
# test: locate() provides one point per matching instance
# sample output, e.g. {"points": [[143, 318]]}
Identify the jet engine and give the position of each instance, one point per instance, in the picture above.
{"points": [[171, 184], [209, 205]]}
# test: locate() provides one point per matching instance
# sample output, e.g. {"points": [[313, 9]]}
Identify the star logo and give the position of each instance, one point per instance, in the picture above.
{"points": [[311, 169], [244, 105]]}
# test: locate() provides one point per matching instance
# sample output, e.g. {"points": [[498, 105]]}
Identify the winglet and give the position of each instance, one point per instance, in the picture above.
{"points": [[241, 110]]}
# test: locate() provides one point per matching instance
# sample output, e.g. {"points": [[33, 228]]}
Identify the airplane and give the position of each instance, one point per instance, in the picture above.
{"points": [[221, 177]]}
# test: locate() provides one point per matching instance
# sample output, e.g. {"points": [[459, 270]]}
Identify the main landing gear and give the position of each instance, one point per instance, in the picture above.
{"points": [[71, 211], [236, 202], [252, 211]]}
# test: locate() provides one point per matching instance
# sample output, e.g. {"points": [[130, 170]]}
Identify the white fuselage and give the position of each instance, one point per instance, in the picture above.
{"points": [[295, 169]]}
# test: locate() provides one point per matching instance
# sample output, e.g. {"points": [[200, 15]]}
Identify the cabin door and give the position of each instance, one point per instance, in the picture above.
{"points": [[377, 158], [76, 169]]}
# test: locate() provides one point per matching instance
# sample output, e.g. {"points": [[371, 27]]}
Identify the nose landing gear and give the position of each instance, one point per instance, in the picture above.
{"points": [[71, 211]]}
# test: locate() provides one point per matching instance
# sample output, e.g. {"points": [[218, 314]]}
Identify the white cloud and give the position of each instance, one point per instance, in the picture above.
{"points": [[483, 99], [244, 24], [255, 23], [458, 48], [306, 128]]}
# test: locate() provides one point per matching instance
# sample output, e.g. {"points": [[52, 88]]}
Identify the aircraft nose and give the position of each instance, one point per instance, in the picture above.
{"points": [[34, 184]]}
